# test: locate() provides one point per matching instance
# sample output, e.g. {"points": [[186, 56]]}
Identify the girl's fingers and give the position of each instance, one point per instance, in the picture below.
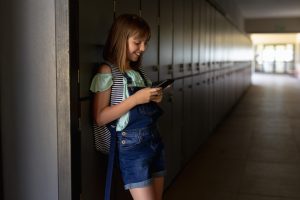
{"points": [[155, 91]]}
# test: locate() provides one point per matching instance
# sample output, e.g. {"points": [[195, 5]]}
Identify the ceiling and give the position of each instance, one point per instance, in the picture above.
{"points": [[269, 8]]}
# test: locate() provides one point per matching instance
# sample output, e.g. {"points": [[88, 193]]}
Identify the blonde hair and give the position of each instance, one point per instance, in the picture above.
{"points": [[123, 27]]}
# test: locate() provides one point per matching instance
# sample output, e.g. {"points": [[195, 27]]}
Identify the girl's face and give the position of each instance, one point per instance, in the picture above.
{"points": [[136, 45]]}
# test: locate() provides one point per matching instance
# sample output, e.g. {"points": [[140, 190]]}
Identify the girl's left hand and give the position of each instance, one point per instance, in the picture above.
{"points": [[157, 98]]}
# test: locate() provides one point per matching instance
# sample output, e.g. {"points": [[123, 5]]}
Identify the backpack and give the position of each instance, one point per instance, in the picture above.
{"points": [[102, 134]]}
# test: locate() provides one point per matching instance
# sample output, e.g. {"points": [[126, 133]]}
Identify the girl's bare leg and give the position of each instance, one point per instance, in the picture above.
{"points": [[158, 185], [145, 193]]}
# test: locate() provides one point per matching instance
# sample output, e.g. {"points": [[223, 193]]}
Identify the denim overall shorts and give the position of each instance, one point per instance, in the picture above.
{"points": [[138, 149], [139, 146]]}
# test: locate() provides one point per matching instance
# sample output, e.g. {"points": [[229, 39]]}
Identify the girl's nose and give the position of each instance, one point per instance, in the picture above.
{"points": [[142, 47]]}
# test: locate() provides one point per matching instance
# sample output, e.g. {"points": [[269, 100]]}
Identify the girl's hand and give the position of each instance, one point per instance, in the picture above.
{"points": [[158, 97], [146, 95]]}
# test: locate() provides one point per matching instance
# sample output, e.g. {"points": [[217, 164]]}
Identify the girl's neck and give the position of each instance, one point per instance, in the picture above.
{"points": [[128, 67]]}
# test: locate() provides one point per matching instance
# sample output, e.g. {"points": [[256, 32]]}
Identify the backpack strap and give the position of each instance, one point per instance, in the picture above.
{"points": [[101, 133]]}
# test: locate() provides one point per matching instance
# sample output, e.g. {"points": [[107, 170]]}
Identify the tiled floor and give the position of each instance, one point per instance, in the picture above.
{"points": [[255, 153]]}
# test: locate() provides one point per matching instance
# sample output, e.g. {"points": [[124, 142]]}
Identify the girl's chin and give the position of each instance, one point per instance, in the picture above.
{"points": [[134, 59]]}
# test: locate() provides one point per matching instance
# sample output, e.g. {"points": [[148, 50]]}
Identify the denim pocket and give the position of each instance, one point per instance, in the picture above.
{"points": [[128, 142]]}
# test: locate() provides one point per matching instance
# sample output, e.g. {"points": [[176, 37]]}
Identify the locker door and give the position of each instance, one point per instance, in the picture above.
{"points": [[187, 39], [203, 108], [222, 95], [197, 112], [212, 38], [207, 36], [195, 36], [165, 127], [165, 39], [217, 97], [202, 29], [177, 128], [165, 71], [127, 6], [178, 39], [206, 109], [149, 11], [187, 119], [210, 97], [92, 36]]}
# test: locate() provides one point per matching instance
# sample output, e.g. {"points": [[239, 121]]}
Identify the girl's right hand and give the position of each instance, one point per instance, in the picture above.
{"points": [[145, 95]]}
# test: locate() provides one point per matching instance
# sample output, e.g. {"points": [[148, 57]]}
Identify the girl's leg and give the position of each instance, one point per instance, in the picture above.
{"points": [[145, 193], [158, 184]]}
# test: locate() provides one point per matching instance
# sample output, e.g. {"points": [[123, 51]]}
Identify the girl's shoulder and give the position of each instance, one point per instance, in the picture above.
{"points": [[104, 69]]}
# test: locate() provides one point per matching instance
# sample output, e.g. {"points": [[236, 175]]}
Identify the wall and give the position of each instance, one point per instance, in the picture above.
{"points": [[231, 11], [28, 100], [209, 57], [272, 25]]}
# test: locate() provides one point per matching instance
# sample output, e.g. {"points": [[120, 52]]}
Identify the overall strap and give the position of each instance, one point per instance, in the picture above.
{"points": [[144, 77], [111, 160], [116, 97]]}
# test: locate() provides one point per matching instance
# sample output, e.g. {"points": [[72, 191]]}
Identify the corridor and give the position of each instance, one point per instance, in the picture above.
{"points": [[255, 153]]}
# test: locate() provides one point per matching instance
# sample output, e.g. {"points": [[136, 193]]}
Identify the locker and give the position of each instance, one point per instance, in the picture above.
{"points": [[210, 98], [218, 39], [127, 6], [91, 39], [165, 40], [215, 98], [202, 37], [212, 22], [165, 128], [203, 108], [223, 94], [207, 36], [218, 97], [187, 37], [206, 103], [177, 128], [93, 166], [149, 11], [187, 120], [197, 112], [194, 115], [195, 36], [178, 70]]}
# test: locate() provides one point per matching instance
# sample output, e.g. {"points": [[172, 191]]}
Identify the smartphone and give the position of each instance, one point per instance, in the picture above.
{"points": [[163, 84]]}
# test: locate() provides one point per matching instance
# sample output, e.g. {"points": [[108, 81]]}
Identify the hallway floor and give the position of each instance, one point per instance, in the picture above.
{"points": [[255, 152]]}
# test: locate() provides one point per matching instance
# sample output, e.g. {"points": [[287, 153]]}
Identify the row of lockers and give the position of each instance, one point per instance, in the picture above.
{"points": [[191, 42], [194, 106], [188, 37]]}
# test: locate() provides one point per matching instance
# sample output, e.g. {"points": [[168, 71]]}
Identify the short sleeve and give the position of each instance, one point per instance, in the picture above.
{"points": [[101, 82]]}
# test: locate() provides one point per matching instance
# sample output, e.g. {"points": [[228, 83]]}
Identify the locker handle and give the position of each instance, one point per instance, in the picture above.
{"points": [[197, 83], [190, 67], [155, 68], [190, 86], [170, 69], [170, 98], [181, 68]]}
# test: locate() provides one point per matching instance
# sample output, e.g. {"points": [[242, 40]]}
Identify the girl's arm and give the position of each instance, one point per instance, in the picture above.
{"points": [[104, 113]]}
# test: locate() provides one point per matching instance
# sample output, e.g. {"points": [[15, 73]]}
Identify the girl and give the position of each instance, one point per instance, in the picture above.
{"points": [[133, 120]]}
